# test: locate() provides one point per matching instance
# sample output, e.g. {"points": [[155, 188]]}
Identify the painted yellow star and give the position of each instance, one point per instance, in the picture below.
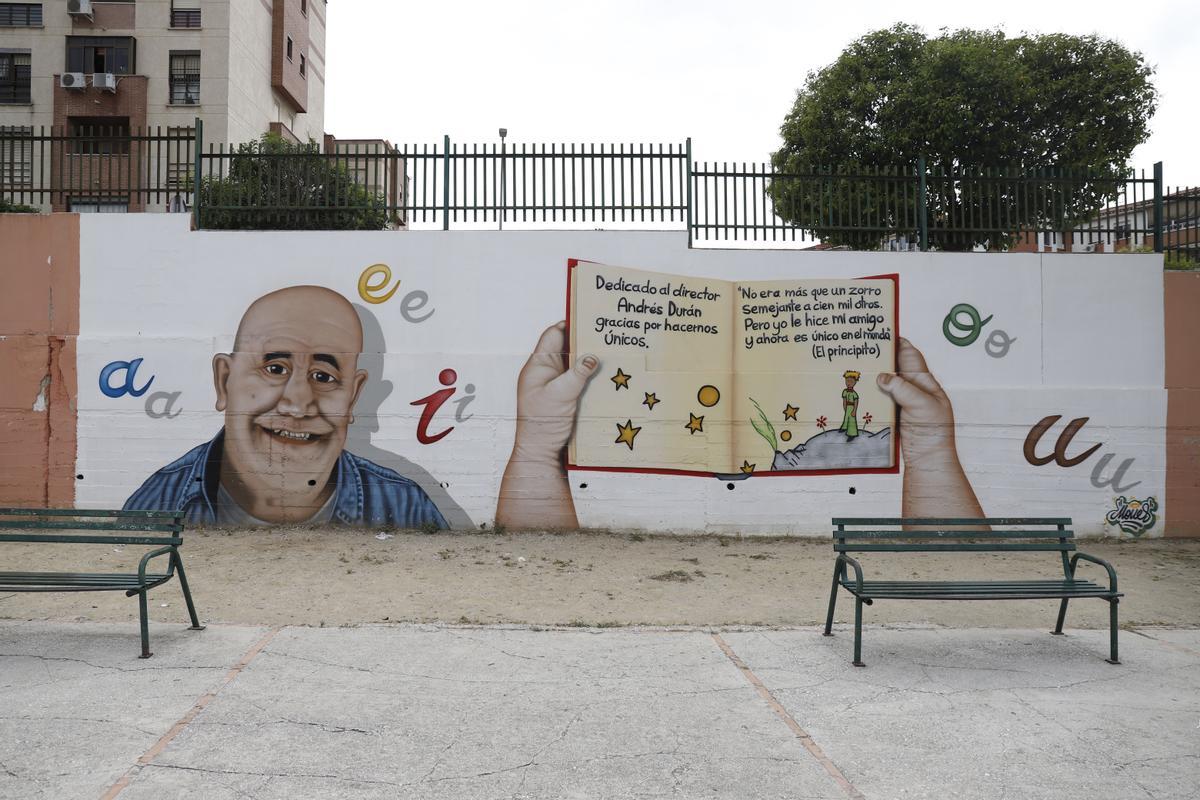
{"points": [[651, 400], [790, 411], [695, 423], [620, 379], [747, 467], [626, 433]]}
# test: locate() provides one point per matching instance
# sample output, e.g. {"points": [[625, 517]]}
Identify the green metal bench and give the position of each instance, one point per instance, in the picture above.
{"points": [[162, 530], [1019, 534]]}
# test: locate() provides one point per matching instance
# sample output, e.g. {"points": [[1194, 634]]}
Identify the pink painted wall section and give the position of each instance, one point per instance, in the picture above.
{"points": [[39, 323], [1181, 301]]}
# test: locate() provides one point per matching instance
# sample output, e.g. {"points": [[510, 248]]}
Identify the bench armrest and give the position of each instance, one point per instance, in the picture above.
{"points": [[1112, 573], [162, 551], [858, 573]]}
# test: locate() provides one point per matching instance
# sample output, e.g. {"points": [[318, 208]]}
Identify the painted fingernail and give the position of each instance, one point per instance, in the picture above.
{"points": [[590, 362]]}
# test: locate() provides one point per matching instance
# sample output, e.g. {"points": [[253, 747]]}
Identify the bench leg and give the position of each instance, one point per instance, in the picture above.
{"points": [[145, 625], [1112, 631], [1062, 616], [187, 594], [832, 602], [858, 604]]}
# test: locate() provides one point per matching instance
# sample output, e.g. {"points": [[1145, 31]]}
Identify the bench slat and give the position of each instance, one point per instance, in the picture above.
{"points": [[927, 521], [26, 578], [1031, 595], [75, 582], [950, 548], [40, 525], [953, 534], [1037, 582], [33, 538], [994, 591], [89, 512]]}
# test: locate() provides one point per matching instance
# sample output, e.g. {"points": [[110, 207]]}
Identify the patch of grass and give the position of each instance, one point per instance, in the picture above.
{"points": [[761, 556], [673, 575], [429, 527], [691, 560], [636, 537], [447, 553]]}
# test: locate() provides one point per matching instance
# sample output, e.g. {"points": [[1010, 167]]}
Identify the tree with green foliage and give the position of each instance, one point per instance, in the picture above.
{"points": [[972, 103], [273, 184]]}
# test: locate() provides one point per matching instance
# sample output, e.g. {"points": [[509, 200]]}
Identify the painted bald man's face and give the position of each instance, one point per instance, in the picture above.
{"points": [[288, 391]]}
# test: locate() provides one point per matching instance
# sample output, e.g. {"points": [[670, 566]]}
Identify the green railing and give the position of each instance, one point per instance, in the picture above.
{"points": [[452, 185]]}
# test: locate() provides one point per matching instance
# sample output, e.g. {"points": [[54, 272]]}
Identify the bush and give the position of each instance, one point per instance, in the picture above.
{"points": [[275, 185], [9, 207]]}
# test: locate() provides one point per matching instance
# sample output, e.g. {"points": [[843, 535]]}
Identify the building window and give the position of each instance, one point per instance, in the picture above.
{"points": [[15, 77], [185, 77], [16, 155], [20, 15], [98, 135], [115, 54], [303, 66], [289, 48], [185, 18], [99, 205]]}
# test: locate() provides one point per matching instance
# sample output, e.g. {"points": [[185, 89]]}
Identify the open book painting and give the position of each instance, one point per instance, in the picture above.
{"points": [[705, 376]]}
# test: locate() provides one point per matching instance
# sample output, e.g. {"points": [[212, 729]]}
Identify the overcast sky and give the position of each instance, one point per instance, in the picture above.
{"points": [[661, 70]]}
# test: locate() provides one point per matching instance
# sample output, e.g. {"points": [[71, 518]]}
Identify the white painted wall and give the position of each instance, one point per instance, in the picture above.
{"points": [[1088, 343]]}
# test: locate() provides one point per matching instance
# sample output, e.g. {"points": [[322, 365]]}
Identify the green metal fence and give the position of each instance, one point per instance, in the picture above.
{"points": [[454, 185], [97, 167], [460, 185]]}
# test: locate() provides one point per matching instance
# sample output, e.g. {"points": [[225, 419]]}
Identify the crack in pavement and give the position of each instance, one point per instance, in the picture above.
{"points": [[116, 722], [141, 668], [250, 773]]}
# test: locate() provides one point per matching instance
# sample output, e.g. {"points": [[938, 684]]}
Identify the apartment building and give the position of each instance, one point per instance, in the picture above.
{"points": [[244, 67]]}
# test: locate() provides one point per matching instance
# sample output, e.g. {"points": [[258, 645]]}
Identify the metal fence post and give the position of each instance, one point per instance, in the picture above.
{"points": [[922, 205], [1158, 207], [446, 183], [688, 172], [198, 144]]}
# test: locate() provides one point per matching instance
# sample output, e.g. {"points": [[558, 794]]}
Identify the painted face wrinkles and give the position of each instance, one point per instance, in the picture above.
{"points": [[288, 392]]}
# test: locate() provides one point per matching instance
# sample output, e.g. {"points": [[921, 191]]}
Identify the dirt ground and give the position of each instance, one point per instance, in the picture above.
{"points": [[347, 577]]}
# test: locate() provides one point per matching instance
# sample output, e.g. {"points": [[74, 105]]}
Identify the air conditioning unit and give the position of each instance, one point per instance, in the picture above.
{"points": [[72, 80], [81, 8], [105, 80]]}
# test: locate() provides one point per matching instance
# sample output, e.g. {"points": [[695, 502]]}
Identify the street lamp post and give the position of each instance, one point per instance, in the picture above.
{"points": [[503, 183]]}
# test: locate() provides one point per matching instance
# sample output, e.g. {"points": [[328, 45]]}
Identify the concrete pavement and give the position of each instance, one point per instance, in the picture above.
{"points": [[487, 712]]}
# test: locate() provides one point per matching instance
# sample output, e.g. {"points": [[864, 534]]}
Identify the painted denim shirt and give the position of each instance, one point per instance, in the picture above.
{"points": [[364, 493]]}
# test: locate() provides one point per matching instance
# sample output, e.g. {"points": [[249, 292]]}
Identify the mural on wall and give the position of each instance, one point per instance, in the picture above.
{"points": [[1059, 454], [963, 332], [455, 414], [1133, 516], [708, 356], [289, 388], [288, 392], [557, 397]]}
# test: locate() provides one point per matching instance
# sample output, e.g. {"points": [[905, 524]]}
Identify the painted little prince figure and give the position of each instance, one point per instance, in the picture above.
{"points": [[850, 404]]}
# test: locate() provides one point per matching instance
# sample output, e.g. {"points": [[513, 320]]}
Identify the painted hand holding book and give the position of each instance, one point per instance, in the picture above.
{"points": [[705, 376]]}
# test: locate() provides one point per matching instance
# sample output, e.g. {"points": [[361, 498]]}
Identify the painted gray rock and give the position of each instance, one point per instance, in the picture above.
{"points": [[834, 450]]}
